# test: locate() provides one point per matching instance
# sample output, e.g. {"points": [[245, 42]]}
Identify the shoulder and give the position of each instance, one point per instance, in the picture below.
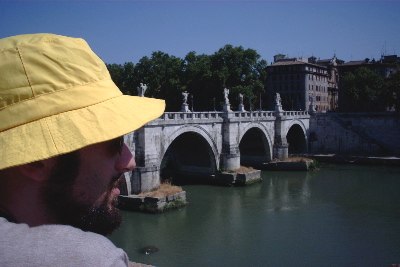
{"points": [[54, 245]]}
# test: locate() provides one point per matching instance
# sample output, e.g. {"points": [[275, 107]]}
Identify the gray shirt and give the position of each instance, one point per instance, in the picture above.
{"points": [[55, 245]]}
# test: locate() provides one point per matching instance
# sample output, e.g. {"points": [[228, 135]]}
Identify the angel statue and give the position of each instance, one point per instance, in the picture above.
{"points": [[185, 97], [226, 95], [141, 89]]}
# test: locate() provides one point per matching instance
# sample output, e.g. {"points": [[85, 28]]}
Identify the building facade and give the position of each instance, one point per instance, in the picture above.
{"points": [[333, 80], [301, 81]]}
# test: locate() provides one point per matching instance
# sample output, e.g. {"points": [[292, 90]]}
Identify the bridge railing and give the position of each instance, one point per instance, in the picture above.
{"points": [[295, 113], [191, 115], [219, 114], [253, 114]]}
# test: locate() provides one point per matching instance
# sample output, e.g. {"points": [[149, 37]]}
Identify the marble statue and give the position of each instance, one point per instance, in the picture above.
{"points": [[226, 96], [142, 89], [185, 97], [240, 99], [278, 101]]}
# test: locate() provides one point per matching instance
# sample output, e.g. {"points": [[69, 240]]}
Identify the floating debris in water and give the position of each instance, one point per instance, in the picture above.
{"points": [[148, 250]]}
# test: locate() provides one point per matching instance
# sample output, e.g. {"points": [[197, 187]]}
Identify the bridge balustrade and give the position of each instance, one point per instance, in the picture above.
{"points": [[252, 114], [191, 115], [219, 114], [295, 113]]}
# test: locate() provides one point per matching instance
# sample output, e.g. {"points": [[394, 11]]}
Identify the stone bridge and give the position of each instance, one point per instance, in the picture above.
{"points": [[203, 143]]}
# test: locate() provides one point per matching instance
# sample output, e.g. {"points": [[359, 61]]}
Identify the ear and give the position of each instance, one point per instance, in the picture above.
{"points": [[38, 171]]}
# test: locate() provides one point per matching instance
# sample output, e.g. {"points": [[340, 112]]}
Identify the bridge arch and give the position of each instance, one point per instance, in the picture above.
{"points": [[189, 151], [296, 137], [255, 145]]}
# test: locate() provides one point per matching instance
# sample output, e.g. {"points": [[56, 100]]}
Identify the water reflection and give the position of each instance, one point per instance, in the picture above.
{"points": [[286, 194]]}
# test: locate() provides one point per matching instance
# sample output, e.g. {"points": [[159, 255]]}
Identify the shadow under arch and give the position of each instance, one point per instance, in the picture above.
{"points": [[189, 159], [255, 148], [296, 139]]}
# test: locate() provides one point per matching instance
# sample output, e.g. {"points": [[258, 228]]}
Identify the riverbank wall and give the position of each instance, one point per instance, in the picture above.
{"points": [[368, 134], [359, 160]]}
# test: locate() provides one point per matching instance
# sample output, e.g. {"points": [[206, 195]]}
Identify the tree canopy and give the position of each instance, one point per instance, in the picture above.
{"points": [[366, 91], [204, 77]]}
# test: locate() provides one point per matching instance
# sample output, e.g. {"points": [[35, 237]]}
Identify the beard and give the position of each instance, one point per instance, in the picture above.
{"points": [[58, 196]]}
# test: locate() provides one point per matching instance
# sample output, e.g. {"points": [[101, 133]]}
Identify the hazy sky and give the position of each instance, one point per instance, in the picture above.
{"points": [[122, 31]]}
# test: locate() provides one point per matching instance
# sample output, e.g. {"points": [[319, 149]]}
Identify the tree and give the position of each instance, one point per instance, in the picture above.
{"points": [[392, 87], [162, 73], [198, 80], [203, 76], [363, 91], [116, 72], [123, 76], [240, 70]]}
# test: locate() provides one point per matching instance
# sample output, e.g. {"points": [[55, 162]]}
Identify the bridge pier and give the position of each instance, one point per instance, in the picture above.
{"points": [[230, 161], [145, 179], [281, 147], [146, 175], [230, 156], [281, 151]]}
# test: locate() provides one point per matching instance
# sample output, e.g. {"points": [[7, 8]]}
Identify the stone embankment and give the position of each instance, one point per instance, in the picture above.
{"points": [[372, 134], [348, 159]]}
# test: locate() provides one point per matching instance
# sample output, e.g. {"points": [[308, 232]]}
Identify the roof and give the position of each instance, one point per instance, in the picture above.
{"points": [[355, 62], [286, 63], [296, 62], [324, 60]]}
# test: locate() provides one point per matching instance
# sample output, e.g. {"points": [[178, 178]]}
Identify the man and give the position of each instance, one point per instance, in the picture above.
{"points": [[62, 153]]}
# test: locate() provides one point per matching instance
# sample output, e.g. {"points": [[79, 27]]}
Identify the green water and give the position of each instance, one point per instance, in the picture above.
{"points": [[340, 215]]}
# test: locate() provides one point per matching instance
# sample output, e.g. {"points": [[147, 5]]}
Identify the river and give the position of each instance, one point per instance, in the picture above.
{"points": [[339, 215]]}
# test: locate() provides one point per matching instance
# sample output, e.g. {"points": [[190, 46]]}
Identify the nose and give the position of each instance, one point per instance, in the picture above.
{"points": [[126, 161]]}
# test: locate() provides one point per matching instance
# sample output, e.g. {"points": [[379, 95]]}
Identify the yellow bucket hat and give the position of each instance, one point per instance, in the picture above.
{"points": [[57, 96]]}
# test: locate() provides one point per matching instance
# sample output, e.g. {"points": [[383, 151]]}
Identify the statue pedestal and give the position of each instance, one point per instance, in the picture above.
{"points": [[278, 108], [241, 108], [227, 108], [311, 109], [185, 108], [281, 151]]}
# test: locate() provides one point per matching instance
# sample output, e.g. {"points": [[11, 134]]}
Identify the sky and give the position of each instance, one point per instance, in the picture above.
{"points": [[125, 31]]}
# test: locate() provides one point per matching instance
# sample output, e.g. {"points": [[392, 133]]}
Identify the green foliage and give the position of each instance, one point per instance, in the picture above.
{"points": [[240, 70], [203, 76], [392, 90], [363, 91], [123, 76]]}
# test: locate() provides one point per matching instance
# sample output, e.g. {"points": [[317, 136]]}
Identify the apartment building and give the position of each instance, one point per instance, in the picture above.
{"points": [[299, 80]]}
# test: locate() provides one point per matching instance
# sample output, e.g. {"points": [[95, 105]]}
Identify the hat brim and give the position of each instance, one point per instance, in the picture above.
{"points": [[69, 131]]}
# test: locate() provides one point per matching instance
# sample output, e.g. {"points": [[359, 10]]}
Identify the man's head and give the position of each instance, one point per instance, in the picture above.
{"points": [[61, 117], [82, 193]]}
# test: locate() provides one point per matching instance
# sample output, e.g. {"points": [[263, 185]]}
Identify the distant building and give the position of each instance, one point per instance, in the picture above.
{"points": [[333, 80], [385, 67], [299, 80]]}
